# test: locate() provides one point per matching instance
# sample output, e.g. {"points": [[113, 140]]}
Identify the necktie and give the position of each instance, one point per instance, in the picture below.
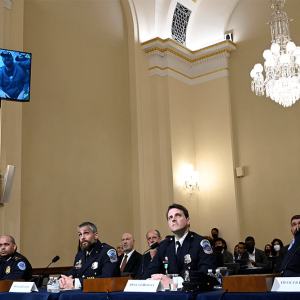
{"points": [[178, 256], [124, 263], [179, 246], [87, 256], [239, 256]]}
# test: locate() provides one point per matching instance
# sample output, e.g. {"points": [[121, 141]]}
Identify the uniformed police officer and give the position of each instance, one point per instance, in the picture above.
{"points": [[186, 250], [13, 265], [95, 260]]}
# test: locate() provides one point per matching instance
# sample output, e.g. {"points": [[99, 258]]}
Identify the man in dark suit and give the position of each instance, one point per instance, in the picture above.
{"points": [[95, 260], [226, 256], [294, 264], [185, 251], [129, 262], [257, 257], [242, 251]]}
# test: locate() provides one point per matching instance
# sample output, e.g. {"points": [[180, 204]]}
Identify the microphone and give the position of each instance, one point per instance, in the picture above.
{"points": [[153, 246], [55, 259]]}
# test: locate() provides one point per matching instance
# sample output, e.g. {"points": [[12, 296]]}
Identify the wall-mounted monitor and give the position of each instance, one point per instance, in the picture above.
{"points": [[15, 74]]}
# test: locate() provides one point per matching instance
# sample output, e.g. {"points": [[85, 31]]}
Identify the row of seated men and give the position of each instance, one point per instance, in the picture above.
{"points": [[183, 251]]}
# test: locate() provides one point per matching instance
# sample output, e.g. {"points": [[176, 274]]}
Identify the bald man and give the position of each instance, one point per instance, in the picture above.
{"points": [[129, 262], [13, 265]]}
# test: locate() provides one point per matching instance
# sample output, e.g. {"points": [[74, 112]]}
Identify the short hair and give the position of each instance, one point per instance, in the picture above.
{"points": [[220, 239], [216, 229], [91, 225], [157, 232], [242, 243], [249, 239], [180, 207], [295, 218], [12, 240]]}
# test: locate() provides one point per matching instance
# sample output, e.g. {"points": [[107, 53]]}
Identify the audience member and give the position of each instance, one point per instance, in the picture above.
{"points": [[257, 257], [95, 260], [242, 251], [120, 250], [13, 265], [276, 246], [129, 262], [235, 251], [226, 255], [268, 249]]}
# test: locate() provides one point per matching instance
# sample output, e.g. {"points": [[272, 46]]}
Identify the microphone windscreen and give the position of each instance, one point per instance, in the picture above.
{"points": [[155, 245], [55, 259]]}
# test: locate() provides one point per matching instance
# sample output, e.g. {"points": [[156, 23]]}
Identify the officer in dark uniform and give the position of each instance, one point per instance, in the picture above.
{"points": [[95, 260], [186, 250], [13, 265]]}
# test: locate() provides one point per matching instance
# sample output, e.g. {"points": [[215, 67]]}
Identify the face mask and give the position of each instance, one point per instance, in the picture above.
{"points": [[277, 248], [214, 236], [250, 249], [268, 251], [219, 248]]}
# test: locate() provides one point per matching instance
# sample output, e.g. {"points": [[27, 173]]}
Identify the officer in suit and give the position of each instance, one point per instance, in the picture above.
{"points": [[129, 262], [13, 265], [186, 250], [95, 260], [289, 260]]}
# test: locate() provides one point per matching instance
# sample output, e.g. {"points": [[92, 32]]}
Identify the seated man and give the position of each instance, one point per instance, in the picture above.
{"points": [[242, 251], [257, 257], [185, 251], [13, 265], [227, 257], [95, 260], [129, 262]]}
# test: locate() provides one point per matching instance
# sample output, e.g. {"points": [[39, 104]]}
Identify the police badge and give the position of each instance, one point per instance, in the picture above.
{"points": [[187, 259], [7, 271], [94, 265]]}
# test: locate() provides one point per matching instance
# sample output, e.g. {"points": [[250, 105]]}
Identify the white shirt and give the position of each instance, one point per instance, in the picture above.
{"points": [[180, 241], [252, 256], [128, 256]]}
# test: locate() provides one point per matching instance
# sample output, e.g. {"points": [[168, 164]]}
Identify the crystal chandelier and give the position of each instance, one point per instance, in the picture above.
{"points": [[191, 180], [282, 62]]}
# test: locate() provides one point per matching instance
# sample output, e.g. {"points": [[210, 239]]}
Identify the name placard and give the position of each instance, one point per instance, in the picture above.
{"points": [[286, 284], [23, 287], [144, 286]]}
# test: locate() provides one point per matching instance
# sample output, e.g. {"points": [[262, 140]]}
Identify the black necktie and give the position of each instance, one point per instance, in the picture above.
{"points": [[178, 256]]}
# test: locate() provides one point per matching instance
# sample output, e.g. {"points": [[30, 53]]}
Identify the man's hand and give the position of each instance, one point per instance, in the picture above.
{"points": [[253, 262], [66, 282], [165, 280]]}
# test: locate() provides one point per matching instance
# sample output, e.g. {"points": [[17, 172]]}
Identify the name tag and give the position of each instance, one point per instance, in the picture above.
{"points": [[144, 286], [23, 287], [286, 284]]}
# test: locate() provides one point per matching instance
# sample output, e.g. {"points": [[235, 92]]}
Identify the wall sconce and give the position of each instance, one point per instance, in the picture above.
{"points": [[191, 180]]}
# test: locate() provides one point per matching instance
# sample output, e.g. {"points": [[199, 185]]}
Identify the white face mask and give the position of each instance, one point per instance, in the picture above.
{"points": [[276, 248]]}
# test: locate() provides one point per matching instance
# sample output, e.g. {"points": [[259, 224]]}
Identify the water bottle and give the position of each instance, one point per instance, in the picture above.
{"points": [[49, 285], [219, 276], [55, 286], [210, 273]]}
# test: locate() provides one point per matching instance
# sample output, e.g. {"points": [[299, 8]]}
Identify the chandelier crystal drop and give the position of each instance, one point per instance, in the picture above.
{"points": [[282, 62]]}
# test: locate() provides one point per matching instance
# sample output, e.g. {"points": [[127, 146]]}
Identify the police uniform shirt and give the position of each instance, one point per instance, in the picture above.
{"points": [[15, 267], [101, 263], [196, 256]]}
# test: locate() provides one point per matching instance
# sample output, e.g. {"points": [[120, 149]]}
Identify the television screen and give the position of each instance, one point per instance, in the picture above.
{"points": [[15, 69]]}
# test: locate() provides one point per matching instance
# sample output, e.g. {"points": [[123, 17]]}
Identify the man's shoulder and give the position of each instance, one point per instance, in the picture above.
{"points": [[197, 237], [18, 257], [137, 254], [259, 251]]}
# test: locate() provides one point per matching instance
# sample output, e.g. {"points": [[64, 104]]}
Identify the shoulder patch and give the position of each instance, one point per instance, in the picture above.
{"points": [[21, 265], [112, 255], [206, 246]]}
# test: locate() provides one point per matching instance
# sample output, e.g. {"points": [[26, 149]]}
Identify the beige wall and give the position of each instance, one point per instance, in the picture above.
{"points": [[76, 144], [266, 135]]}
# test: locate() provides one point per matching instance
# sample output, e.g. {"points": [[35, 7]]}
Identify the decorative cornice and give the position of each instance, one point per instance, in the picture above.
{"points": [[168, 58]]}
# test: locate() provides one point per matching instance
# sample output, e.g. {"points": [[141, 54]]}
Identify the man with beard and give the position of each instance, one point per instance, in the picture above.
{"points": [[257, 257], [13, 265], [185, 251], [129, 262], [95, 260], [14, 80]]}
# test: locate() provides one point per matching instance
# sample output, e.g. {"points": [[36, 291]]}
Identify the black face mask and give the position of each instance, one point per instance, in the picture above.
{"points": [[268, 251], [215, 236], [250, 249], [219, 248]]}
